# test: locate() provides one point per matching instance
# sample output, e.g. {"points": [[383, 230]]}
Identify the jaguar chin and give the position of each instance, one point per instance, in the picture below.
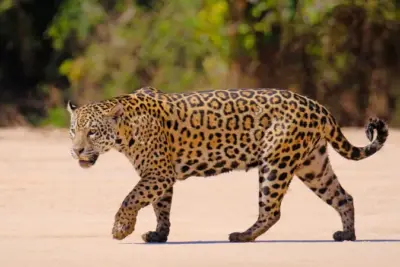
{"points": [[88, 162]]}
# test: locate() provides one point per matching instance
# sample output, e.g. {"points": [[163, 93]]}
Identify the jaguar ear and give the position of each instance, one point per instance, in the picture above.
{"points": [[116, 112], [71, 107]]}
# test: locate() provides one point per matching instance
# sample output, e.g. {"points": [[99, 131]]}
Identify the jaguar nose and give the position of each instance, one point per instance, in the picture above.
{"points": [[78, 151]]}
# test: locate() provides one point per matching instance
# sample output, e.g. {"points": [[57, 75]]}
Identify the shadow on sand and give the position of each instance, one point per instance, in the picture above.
{"points": [[210, 242]]}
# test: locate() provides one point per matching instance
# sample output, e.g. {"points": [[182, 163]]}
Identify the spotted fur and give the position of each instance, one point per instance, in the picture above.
{"points": [[170, 137]]}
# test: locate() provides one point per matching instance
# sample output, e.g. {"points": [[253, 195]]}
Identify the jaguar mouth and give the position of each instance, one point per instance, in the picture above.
{"points": [[87, 163]]}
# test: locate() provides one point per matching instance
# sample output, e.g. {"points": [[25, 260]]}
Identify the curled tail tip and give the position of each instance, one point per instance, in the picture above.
{"points": [[381, 128], [369, 131]]}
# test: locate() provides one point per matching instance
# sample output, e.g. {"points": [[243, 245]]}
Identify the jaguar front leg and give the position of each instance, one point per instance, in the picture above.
{"points": [[162, 209], [147, 191]]}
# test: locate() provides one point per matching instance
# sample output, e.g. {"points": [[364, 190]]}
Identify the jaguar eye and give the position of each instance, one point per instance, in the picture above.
{"points": [[91, 133]]}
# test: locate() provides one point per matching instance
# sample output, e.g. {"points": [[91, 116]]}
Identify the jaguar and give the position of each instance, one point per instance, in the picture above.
{"points": [[169, 137]]}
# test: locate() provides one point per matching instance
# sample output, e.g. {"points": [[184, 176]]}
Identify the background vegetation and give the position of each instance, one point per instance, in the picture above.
{"points": [[345, 54]]}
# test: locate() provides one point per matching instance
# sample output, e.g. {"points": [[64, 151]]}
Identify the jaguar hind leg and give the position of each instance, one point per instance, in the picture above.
{"points": [[273, 185], [317, 173]]}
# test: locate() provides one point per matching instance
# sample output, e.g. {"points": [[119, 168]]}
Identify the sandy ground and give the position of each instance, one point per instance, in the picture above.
{"points": [[53, 213]]}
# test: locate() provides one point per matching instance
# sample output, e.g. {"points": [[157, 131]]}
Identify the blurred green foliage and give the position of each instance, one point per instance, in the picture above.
{"points": [[343, 53], [174, 46], [57, 117]]}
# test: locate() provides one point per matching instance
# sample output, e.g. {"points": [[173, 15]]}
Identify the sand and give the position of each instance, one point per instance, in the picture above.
{"points": [[53, 213]]}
